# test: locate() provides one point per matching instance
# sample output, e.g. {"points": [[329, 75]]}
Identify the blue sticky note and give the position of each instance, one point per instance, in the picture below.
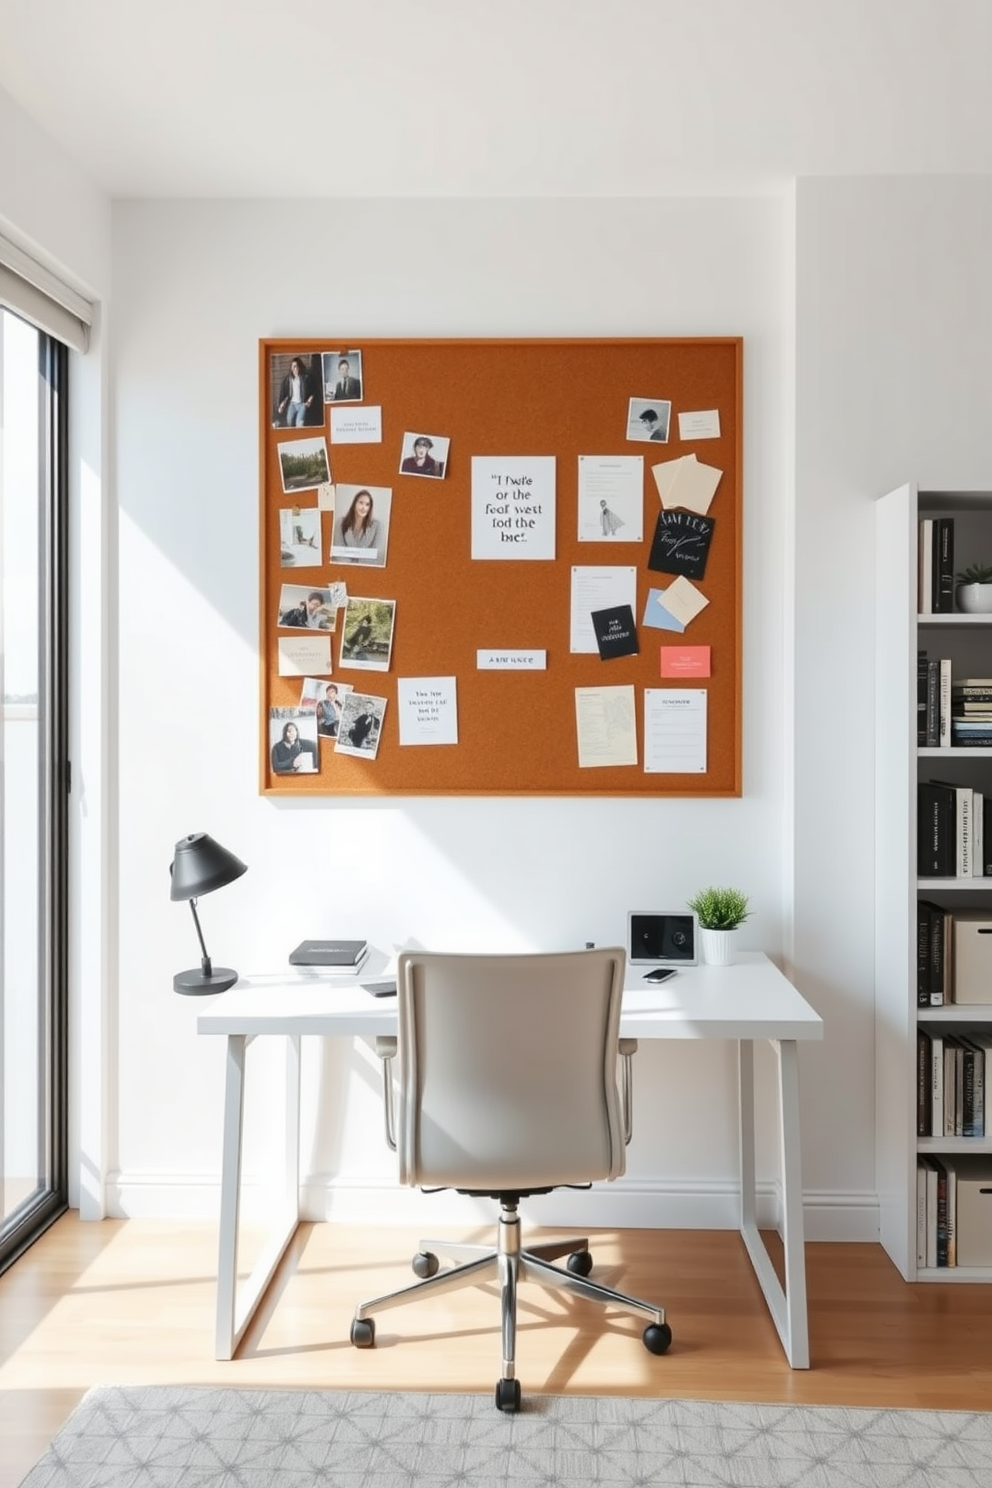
{"points": [[655, 613]]}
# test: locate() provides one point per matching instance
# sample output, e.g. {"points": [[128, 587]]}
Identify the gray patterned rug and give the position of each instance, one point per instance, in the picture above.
{"points": [[193, 1437]]}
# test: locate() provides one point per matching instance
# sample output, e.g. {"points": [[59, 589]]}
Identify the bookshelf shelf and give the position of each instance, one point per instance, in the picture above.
{"points": [[901, 632]]}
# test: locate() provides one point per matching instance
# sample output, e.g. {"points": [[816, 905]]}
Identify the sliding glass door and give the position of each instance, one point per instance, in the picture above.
{"points": [[33, 783]]}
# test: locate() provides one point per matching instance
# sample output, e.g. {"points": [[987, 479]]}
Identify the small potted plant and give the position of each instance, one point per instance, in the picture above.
{"points": [[974, 589], [720, 913]]}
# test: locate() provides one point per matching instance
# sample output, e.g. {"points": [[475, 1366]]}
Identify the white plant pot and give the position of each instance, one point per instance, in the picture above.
{"points": [[719, 947], [975, 599]]}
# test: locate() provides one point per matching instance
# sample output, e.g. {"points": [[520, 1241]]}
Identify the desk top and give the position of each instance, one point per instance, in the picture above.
{"points": [[749, 1000]]}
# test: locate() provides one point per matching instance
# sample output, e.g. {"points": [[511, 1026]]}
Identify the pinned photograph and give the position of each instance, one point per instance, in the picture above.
{"points": [[303, 608], [326, 700], [299, 537], [361, 525], [342, 373], [649, 418], [293, 747], [297, 390], [424, 454], [367, 634], [303, 464], [361, 725]]}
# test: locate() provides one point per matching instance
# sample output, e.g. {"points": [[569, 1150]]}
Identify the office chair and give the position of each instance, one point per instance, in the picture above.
{"points": [[507, 1088]]}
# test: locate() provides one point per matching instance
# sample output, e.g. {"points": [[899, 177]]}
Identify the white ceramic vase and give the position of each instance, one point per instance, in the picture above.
{"points": [[975, 599], [719, 947]]}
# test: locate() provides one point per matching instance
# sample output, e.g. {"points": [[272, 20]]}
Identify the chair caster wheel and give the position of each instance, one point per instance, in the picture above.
{"points": [[657, 1337], [425, 1263], [579, 1263], [363, 1332], [508, 1394]]}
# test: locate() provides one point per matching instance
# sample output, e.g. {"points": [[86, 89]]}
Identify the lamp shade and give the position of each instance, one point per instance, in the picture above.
{"points": [[201, 865]]}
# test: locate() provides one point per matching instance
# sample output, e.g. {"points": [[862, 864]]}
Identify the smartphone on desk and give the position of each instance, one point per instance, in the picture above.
{"points": [[380, 986], [660, 974]]}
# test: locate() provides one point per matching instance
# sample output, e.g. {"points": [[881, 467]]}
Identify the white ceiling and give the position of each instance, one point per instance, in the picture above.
{"points": [[246, 98]]}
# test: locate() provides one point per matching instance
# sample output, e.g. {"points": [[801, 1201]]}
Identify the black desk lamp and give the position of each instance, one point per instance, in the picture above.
{"points": [[200, 866]]}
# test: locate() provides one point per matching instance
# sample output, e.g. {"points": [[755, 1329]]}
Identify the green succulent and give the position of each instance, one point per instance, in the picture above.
{"points": [[978, 573], [719, 909]]}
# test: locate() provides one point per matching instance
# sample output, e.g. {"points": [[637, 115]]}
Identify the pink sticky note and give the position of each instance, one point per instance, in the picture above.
{"points": [[685, 661]]}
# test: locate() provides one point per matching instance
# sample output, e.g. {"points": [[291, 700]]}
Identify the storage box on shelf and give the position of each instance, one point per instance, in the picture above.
{"points": [[904, 628]]}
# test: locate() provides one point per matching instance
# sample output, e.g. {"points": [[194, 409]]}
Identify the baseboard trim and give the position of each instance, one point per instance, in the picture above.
{"points": [[626, 1204]]}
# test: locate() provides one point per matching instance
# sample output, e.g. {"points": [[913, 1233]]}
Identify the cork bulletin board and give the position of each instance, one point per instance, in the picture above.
{"points": [[440, 593]]}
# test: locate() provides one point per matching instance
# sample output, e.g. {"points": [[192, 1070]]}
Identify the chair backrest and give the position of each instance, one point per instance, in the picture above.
{"points": [[508, 1069]]}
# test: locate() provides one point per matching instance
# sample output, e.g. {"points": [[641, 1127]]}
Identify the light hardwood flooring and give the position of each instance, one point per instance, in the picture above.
{"points": [[132, 1302]]}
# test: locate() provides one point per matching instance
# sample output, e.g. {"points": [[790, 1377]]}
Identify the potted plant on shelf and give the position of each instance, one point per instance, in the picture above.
{"points": [[720, 912], [974, 589]]}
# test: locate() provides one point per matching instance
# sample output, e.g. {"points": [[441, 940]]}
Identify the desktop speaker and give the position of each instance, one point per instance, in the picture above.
{"points": [[662, 939]]}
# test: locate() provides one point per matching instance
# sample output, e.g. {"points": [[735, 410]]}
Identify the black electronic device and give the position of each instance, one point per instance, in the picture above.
{"points": [[662, 938], [660, 974], [380, 986]]}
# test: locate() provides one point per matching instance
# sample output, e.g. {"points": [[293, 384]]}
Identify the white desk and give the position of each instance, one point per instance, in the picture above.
{"points": [[748, 1001]]}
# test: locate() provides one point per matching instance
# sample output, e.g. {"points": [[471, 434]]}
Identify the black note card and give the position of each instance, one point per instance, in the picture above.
{"points": [[616, 634], [681, 543]]}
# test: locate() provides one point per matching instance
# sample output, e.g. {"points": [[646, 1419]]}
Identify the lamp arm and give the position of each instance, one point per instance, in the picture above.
{"points": [[206, 966]]}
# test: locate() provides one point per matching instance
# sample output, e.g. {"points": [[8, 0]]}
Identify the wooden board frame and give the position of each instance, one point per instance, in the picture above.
{"points": [[561, 397]]}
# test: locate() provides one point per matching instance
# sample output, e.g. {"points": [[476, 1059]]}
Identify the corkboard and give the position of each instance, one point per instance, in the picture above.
{"points": [[516, 730]]}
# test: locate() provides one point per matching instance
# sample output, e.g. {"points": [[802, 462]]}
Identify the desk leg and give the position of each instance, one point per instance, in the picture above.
{"points": [[235, 1312], [788, 1306]]}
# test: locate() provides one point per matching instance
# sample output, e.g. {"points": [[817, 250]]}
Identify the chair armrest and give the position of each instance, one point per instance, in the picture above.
{"points": [[627, 1048], [385, 1047]]}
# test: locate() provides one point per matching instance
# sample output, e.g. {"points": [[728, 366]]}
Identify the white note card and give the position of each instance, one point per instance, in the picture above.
{"points": [[305, 656], [511, 661], [428, 708], [675, 731], [704, 424], [356, 425], [605, 726]]}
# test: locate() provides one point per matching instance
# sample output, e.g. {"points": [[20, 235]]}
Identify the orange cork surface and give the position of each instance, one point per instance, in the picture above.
{"points": [[516, 730]]}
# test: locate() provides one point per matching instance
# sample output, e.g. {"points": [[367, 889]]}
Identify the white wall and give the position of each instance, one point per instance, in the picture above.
{"points": [[195, 286], [893, 384]]}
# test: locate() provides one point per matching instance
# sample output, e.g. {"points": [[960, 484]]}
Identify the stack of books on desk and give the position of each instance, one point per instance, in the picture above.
{"points": [[342, 956]]}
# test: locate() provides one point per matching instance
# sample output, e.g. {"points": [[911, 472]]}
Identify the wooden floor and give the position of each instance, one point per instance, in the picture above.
{"points": [[132, 1302]]}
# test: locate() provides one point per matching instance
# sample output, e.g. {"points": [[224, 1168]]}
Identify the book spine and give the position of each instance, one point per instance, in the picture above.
{"points": [[933, 703], [968, 1092], [925, 597], [921, 1214], [921, 699], [931, 1247], [928, 858], [944, 704], [941, 1212], [943, 579], [938, 955], [978, 835], [952, 1216], [950, 1087], [965, 806], [936, 1084], [922, 954], [922, 1083]]}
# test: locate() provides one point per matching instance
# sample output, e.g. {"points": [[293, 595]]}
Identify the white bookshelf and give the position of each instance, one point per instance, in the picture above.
{"points": [[900, 632]]}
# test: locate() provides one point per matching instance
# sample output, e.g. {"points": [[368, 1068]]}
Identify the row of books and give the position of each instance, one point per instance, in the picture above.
{"points": [[953, 831], [951, 714], [950, 1083], [936, 566], [952, 1223]]}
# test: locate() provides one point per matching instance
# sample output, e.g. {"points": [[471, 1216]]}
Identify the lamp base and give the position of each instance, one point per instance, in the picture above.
{"points": [[195, 984]]}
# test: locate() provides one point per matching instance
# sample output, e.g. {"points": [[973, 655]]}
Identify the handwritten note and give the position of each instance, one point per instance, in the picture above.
{"points": [[513, 506], [304, 655], [428, 710], [605, 725]]}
